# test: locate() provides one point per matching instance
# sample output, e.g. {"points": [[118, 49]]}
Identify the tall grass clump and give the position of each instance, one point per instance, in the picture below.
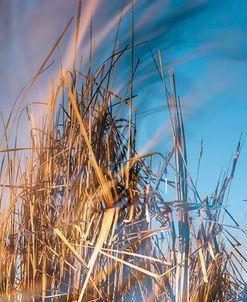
{"points": [[84, 217]]}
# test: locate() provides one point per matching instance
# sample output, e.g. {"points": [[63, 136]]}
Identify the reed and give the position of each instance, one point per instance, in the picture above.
{"points": [[87, 218]]}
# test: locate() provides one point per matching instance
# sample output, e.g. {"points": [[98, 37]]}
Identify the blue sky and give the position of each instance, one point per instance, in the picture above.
{"points": [[204, 41]]}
